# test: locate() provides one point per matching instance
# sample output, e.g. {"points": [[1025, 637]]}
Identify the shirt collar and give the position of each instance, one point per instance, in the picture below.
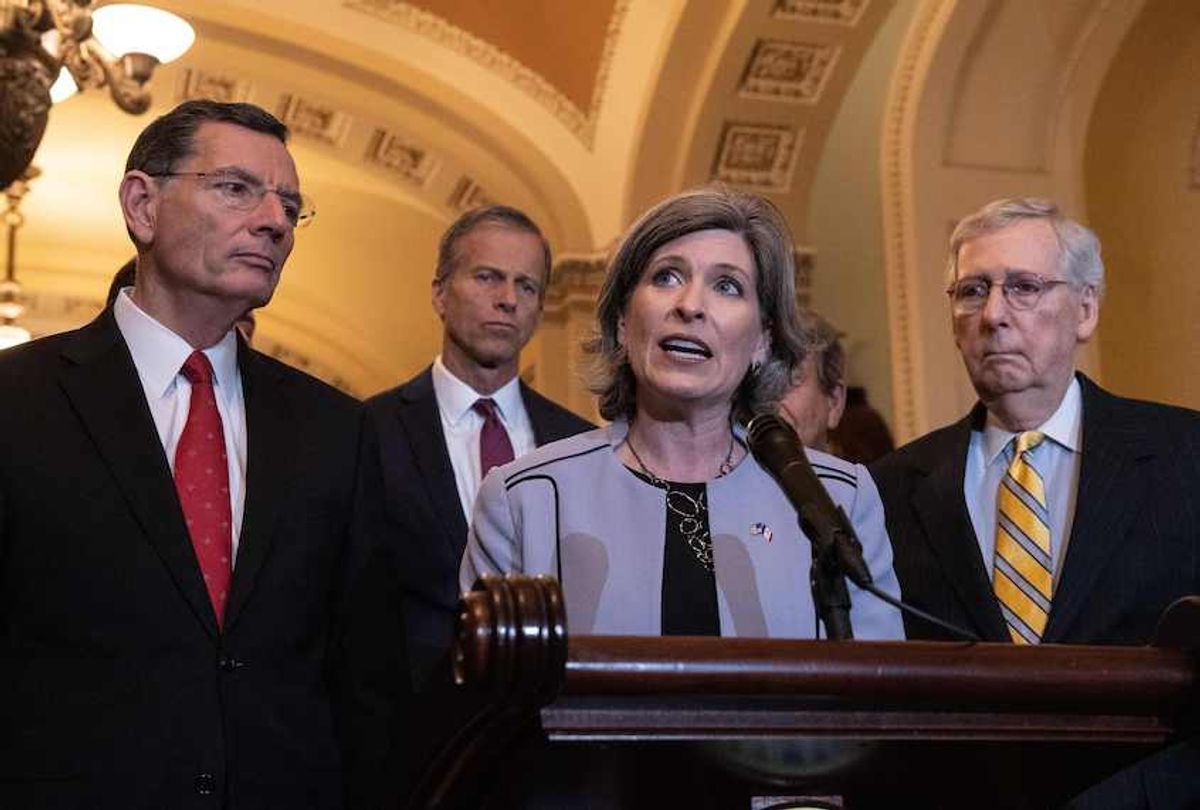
{"points": [[158, 353], [455, 397], [1064, 427]]}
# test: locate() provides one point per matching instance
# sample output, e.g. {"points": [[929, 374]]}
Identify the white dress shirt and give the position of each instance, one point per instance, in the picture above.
{"points": [[1057, 459], [461, 426], [159, 354]]}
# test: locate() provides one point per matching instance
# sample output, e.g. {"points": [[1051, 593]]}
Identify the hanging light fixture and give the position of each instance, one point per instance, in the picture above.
{"points": [[135, 33], [12, 304], [49, 49]]}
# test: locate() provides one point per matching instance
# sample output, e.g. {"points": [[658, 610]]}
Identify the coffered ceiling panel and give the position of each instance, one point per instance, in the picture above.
{"points": [[563, 42]]}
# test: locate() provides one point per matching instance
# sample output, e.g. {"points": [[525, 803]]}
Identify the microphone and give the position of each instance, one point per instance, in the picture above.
{"points": [[778, 450], [836, 549]]}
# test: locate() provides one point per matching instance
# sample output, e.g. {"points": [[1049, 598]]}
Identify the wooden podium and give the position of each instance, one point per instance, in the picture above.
{"points": [[730, 722]]}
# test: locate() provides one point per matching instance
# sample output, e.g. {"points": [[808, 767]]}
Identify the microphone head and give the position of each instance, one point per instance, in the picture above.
{"points": [[772, 441], [764, 423]]}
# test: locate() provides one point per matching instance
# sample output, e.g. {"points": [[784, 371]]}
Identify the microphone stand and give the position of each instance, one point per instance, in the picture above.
{"points": [[837, 554], [836, 551], [827, 575]]}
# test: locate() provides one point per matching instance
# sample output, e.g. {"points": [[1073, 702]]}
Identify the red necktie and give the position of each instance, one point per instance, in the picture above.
{"points": [[202, 480], [494, 447]]}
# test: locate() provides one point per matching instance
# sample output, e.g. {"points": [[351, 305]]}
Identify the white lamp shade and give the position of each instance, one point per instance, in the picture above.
{"points": [[64, 86], [128, 28], [12, 335]]}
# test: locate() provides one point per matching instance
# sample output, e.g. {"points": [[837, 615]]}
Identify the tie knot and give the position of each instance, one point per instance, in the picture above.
{"points": [[1029, 440], [485, 407], [197, 369]]}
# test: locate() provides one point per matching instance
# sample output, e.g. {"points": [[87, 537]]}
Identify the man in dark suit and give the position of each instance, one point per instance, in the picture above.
{"points": [[1119, 476], [488, 289], [1054, 511], [174, 509]]}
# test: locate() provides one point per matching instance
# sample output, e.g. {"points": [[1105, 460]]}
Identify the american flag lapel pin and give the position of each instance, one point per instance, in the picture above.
{"points": [[763, 529]]}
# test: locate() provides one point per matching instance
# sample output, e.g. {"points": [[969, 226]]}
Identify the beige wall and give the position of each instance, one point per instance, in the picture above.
{"points": [[1143, 195], [844, 222]]}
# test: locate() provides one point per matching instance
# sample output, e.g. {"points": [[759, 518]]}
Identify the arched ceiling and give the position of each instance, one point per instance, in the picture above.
{"points": [[748, 96], [584, 113], [406, 113]]}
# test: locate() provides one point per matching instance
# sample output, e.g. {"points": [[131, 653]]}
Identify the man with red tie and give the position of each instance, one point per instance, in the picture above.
{"points": [[427, 446], [175, 508], [440, 432]]}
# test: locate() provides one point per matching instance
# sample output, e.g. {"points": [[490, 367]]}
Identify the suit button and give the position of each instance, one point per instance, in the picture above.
{"points": [[229, 664], [206, 784]]}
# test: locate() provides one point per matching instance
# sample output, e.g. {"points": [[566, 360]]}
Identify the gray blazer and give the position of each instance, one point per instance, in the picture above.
{"points": [[571, 509]]}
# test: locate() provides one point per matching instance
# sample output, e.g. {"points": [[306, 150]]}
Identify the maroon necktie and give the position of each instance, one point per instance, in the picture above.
{"points": [[202, 480], [494, 447]]}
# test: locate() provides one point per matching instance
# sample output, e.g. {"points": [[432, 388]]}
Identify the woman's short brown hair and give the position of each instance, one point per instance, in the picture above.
{"points": [[757, 221]]}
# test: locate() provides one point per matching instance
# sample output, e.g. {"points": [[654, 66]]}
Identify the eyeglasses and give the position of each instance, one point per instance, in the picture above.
{"points": [[1022, 291], [242, 191]]}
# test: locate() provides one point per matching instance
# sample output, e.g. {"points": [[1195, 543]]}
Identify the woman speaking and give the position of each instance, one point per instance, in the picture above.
{"points": [[662, 522]]}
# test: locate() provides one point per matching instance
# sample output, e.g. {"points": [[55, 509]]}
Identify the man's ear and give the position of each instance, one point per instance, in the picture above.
{"points": [[837, 406], [438, 297], [1089, 314], [139, 195]]}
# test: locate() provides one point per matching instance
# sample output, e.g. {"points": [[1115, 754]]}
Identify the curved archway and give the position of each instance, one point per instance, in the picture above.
{"points": [[987, 101]]}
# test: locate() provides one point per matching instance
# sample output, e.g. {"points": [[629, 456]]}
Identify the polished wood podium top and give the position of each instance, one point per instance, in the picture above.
{"points": [[514, 657]]}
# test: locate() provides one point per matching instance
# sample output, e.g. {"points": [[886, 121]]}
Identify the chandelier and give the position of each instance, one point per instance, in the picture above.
{"points": [[66, 45]]}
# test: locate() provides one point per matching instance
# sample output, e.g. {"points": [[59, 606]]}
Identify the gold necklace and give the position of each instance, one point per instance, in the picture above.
{"points": [[691, 511]]}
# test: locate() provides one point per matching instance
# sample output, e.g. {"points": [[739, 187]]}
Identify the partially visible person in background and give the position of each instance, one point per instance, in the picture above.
{"points": [[825, 413], [862, 436], [816, 397]]}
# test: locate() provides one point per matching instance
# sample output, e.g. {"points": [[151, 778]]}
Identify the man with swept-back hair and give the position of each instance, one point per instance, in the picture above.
{"points": [[1054, 512], [175, 509], [439, 432], [816, 395]]}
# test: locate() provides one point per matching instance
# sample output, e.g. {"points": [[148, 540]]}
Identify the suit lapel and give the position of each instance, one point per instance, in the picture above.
{"points": [[543, 430], [101, 382], [269, 426], [1110, 490], [550, 422], [422, 425], [942, 510]]}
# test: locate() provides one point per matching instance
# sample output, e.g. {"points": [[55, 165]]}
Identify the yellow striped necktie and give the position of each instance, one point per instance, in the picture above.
{"points": [[1022, 573]]}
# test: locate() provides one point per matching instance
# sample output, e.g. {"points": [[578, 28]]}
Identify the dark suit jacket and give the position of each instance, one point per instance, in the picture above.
{"points": [[116, 688], [422, 517], [1135, 540]]}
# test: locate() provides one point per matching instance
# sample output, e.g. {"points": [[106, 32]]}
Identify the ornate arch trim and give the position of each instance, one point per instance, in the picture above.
{"points": [[899, 210], [581, 123]]}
